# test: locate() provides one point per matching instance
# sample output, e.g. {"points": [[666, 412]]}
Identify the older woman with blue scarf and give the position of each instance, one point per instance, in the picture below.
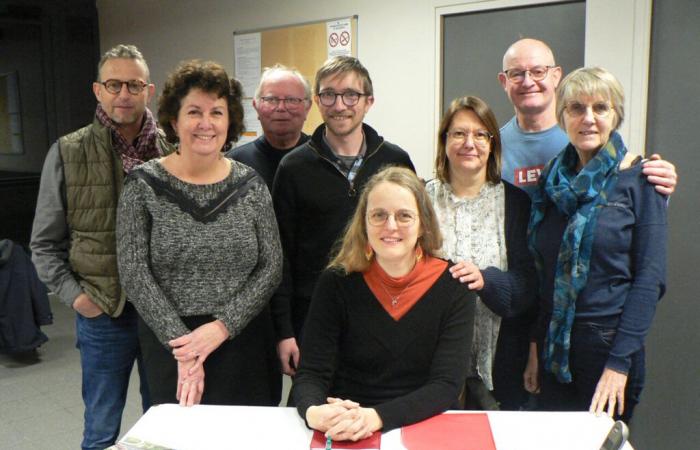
{"points": [[598, 234]]}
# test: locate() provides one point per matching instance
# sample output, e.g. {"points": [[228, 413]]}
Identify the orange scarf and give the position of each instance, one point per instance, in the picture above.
{"points": [[398, 295]]}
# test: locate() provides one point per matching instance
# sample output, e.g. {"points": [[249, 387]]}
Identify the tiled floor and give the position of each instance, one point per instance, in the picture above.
{"points": [[40, 402]]}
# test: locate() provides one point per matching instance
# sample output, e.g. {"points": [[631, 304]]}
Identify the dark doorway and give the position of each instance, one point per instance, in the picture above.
{"points": [[669, 413], [52, 49], [474, 44]]}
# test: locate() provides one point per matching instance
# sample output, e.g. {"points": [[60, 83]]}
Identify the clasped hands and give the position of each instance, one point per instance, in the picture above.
{"points": [[190, 351], [343, 420]]}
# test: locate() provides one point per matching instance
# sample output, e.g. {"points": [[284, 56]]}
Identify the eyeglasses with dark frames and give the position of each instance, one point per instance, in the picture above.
{"points": [[115, 86], [350, 98]]}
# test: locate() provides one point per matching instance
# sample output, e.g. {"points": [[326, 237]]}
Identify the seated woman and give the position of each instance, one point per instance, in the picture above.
{"points": [[598, 233], [198, 250], [484, 223], [389, 329]]}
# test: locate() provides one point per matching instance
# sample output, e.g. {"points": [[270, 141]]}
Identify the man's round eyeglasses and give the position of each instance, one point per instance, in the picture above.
{"points": [[537, 73], [403, 217], [350, 98], [289, 102], [578, 109], [115, 86], [480, 137]]}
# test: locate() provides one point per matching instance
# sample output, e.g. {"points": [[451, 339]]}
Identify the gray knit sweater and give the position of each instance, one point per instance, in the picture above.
{"points": [[185, 250]]}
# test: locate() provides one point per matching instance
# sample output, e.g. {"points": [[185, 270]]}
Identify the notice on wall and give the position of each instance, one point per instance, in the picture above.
{"points": [[247, 60], [253, 130], [247, 56], [339, 37], [10, 114]]}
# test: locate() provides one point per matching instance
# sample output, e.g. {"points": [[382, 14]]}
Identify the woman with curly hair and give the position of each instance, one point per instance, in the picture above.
{"points": [[198, 250]]}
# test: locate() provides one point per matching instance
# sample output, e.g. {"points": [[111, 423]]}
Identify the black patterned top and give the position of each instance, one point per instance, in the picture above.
{"points": [[187, 249]]}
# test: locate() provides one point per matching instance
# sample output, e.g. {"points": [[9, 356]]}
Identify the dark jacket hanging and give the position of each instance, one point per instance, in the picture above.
{"points": [[24, 303]]}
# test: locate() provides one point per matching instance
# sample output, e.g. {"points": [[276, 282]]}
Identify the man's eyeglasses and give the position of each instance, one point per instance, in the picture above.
{"points": [[578, 109], [115, 86], [290, 102], [480, 137], [350, 98], [537, 73], [403, 217]]}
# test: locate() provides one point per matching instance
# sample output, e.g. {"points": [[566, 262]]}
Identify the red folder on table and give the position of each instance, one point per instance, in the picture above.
{"points": [[318, 442], [450, 432]]}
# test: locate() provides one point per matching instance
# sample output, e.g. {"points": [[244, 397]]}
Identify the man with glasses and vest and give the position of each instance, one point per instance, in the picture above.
{"points": [[73, 238], [317, 185], [529, 140]]}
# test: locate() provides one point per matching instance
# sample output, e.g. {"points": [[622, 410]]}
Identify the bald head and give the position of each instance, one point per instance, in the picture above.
{"points": [[528, 49], [532, 96]]}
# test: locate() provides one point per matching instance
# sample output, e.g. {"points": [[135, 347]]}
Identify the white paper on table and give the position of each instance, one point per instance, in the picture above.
{"points": [[550, 430], [213, 427]]}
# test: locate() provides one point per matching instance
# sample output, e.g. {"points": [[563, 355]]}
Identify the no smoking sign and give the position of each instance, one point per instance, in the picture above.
{"points": [[339, 34]]}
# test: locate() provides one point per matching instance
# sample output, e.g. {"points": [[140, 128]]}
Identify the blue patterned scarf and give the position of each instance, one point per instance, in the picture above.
{"points": [[579, 196]]}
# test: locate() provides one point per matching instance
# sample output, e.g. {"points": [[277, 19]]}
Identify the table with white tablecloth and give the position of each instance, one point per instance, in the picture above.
{"points": [[205, 427]]}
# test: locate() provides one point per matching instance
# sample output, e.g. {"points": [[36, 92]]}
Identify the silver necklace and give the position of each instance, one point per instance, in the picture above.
{"points": [[394, 298]]}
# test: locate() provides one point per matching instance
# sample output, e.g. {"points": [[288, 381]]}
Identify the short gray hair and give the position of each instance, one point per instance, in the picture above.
{"points": [[591, 82], [125, 52], [269, 72]]}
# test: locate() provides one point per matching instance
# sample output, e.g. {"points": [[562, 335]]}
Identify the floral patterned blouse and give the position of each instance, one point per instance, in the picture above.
{"points": [[473, 230]]}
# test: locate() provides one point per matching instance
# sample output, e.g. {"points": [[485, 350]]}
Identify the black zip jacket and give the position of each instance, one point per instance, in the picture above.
{"points": [[313, 202]]}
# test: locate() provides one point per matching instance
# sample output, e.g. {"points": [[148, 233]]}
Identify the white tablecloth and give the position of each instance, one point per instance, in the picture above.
{"points": [[246, 427]]}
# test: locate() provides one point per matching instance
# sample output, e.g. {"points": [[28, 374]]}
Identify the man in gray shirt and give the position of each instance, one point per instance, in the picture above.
{"points": [[73, 238]]}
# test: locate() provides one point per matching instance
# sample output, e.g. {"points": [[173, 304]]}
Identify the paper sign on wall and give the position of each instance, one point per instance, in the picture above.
{"points": [[253, 129], [339, 38], [247, 55], [247, 60]]}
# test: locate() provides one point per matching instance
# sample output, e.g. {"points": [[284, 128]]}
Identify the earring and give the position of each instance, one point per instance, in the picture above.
{"points": [[419, 253], [369, 252]]}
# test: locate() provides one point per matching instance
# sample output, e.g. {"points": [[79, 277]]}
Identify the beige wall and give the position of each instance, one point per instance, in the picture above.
{"points": [[396, 41]]}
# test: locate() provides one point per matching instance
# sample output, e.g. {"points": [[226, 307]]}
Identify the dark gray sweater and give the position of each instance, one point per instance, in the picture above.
{"points": [[186, 249]]}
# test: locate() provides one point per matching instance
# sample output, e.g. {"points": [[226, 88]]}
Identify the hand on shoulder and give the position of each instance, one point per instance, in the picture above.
{"points": [[628, 160], [662, 174]]}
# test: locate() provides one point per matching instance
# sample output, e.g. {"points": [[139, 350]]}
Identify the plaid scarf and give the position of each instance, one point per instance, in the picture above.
{"points": [[145, 147], [579, 196]]}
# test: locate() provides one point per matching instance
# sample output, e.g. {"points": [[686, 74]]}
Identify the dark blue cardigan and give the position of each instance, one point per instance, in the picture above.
{"points": [[627, 274]]}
